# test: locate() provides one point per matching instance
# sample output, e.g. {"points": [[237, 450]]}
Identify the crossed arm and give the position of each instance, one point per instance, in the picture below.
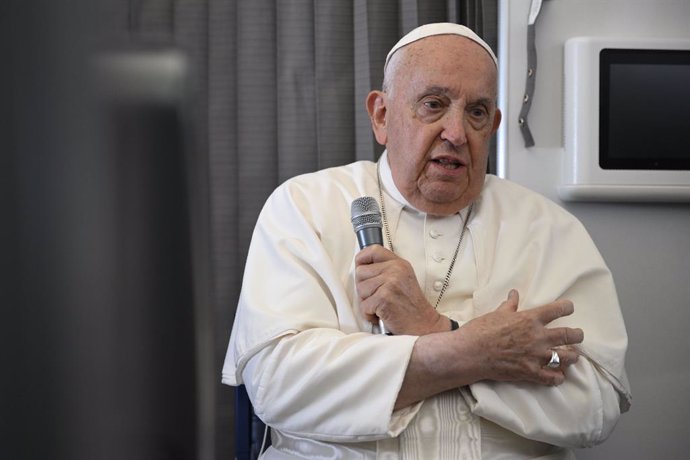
{"points": [[504, 345]]}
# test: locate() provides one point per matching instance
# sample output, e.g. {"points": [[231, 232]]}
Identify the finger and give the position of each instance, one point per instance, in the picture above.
{"points": [[558, 336], [554, 310], [573, 348], [511, 302], [373, 319], [368, 271], [372, 254], [368, 287], [567, 356], [368, 309]]}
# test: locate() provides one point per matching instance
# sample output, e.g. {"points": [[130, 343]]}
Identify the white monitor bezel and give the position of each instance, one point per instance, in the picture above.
{"points": [[582, 177]]}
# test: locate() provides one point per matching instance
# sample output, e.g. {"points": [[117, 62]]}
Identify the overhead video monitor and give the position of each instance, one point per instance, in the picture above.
{"points": [[644, 109], [626, 116]]}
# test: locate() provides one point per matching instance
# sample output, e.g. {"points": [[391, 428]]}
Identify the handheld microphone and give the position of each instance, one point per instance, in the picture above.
{"points": [[366, 222]]}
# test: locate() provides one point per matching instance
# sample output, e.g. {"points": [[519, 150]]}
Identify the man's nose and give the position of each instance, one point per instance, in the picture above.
{"points": [[454, 127]]}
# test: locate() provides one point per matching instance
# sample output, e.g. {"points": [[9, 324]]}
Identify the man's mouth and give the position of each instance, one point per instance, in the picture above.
{"points": [[448, 163]]}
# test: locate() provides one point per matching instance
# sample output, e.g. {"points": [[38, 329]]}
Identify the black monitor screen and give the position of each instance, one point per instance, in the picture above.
{"points": [[644, 112]]}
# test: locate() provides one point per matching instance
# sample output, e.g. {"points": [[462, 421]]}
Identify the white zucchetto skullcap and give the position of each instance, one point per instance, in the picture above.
{"points": [[440, 28]]}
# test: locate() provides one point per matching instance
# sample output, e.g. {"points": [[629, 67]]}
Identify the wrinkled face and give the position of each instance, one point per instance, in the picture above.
{"points": [[436, 118]]}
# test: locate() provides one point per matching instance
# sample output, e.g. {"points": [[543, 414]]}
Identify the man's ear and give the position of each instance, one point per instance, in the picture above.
{"points": [[376, 106], [497, 121]]}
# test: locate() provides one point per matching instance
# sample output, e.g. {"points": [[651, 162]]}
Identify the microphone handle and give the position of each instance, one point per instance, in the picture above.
{"points": [[368, 236], [382, 328]]}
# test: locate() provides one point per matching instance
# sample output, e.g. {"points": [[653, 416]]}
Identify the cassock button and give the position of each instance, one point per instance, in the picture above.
{"points": [[438, 285], [434, 234], [438, 258]]}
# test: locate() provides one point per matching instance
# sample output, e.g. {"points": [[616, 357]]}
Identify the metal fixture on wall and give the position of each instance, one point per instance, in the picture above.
{"points": [[535, 8]]}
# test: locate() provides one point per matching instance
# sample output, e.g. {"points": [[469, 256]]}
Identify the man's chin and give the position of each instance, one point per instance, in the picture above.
{"points": [[440, 206], [444, 198]]}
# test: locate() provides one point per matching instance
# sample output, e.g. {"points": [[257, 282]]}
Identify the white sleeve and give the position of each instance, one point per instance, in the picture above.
{"points": [[581, 412], [326, 385], [546, 254], [298, 343]]}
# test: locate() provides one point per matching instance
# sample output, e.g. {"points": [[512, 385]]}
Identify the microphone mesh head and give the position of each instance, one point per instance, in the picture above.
{"points": [[365, 213]]}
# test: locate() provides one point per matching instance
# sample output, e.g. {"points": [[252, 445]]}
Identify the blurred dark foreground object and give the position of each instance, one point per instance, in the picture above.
{"points": [[99, 239]]}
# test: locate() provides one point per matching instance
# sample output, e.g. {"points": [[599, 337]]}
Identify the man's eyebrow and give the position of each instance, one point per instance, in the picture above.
{"points": [[437, 90], [487, 101], [444, 90]]}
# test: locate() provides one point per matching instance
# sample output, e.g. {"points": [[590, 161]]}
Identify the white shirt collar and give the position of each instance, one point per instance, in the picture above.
{"points": [[388, 183]]}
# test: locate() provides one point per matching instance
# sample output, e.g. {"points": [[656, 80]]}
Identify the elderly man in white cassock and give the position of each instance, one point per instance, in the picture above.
{"points": [[505, 339]]}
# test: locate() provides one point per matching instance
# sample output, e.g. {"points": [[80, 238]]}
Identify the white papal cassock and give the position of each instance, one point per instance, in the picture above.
{"points": [[326, 384]]}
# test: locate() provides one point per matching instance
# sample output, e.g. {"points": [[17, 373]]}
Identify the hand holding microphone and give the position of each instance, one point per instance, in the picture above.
{"points": [[386, 283]]}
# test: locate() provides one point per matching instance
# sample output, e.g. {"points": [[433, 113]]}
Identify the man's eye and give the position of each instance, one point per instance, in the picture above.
{"points": [[433, 104], [478, 112]]}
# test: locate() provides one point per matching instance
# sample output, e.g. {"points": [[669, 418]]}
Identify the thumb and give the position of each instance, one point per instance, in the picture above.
{"points": [[511, 302]]}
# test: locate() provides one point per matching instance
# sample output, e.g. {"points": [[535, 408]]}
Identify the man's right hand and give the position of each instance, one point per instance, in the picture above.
{"points": [[388, 289], [503, 345]]}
